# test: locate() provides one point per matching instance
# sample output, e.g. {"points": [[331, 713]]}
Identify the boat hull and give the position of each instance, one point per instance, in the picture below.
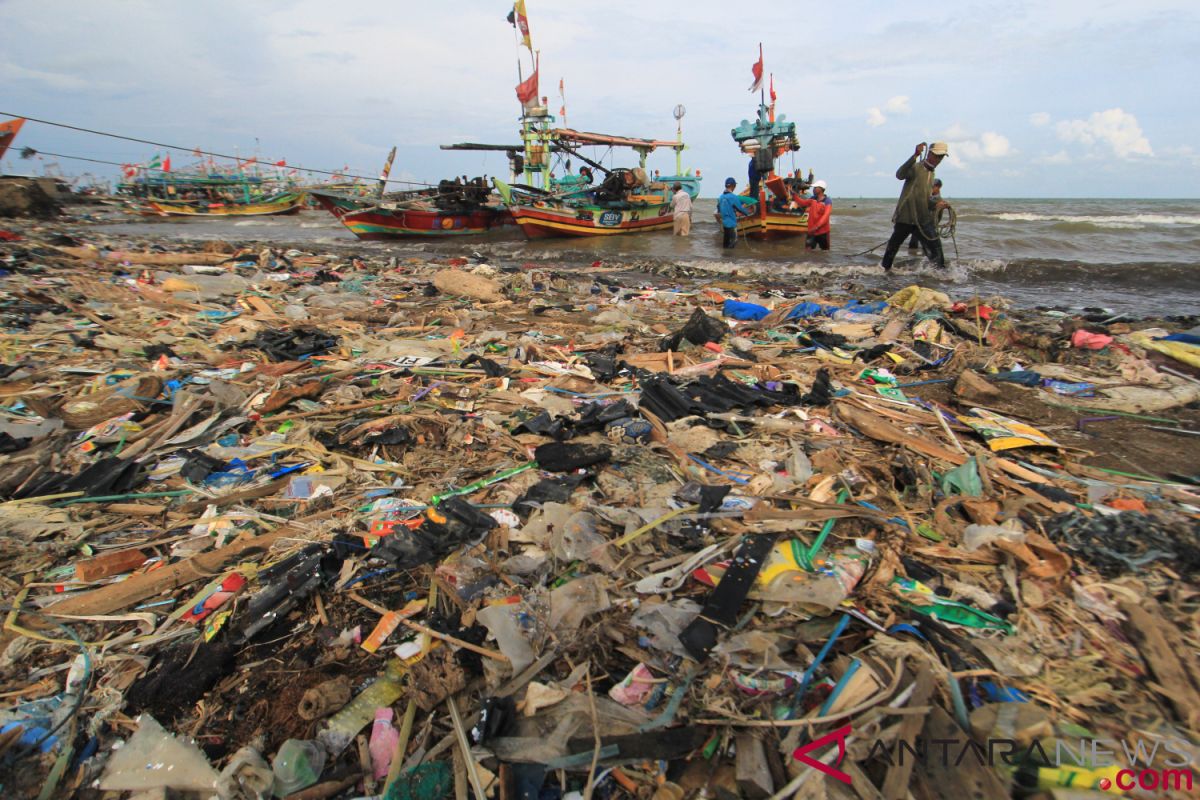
{"points": [[548, 221], [378, 223], [772, 225], [766, 223], [283, 204]]}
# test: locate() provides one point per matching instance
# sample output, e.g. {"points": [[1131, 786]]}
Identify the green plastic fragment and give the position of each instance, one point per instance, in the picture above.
{"points": [[430, 781]]}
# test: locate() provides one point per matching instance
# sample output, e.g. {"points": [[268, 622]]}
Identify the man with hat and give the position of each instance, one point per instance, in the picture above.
{"points": [[729, 207], [819, 207], [914, 212]]}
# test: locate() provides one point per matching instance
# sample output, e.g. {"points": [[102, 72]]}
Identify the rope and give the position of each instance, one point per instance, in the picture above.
{"points": [[876, 247], [192, 150], [948, 227]]}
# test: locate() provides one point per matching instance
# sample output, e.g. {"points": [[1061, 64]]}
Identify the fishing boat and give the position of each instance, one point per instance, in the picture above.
{"points": [[205, 192], [764, 140], [458, 207], [627, 200], [546, 198], [286, 203]]}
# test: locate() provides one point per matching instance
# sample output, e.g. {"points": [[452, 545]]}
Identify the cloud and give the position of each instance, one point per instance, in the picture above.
{"points": [[898, 104], [1039, 119], [1114, 128], [1061, 157], [870, 159], [965, 148], [875, 117]]}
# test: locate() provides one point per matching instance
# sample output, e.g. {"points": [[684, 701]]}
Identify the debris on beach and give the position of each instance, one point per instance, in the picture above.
{"points": [[293, 524]]}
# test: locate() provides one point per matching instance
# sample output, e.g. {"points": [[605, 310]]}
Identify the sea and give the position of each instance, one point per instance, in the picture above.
{"points": [[1135, 258]]}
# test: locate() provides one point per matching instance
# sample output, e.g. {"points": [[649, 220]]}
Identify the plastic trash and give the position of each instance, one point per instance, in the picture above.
{"points": [[501, 621], [154, 759], [246, 774], [297, 764], [340, 729], [383, 742]]}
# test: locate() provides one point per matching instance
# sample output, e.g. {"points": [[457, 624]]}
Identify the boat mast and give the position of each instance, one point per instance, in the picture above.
{"points": [[679, 112], [387, 170]]}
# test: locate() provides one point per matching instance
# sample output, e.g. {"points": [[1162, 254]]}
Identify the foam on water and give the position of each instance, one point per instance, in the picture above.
{"points": [[1103, 221]]}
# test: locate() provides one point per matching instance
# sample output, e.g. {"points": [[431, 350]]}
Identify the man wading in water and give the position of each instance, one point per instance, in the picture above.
{"points": [[914, 212]]}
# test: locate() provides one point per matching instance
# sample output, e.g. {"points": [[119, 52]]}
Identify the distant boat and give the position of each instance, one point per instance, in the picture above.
{"points": [[287, 203], [200, 192]]}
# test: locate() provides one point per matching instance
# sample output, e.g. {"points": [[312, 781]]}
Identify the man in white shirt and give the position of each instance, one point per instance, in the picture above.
{"points": [[681, 205]]}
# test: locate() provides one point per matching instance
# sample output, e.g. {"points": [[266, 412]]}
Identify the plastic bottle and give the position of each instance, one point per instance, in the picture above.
{"points": [[343, 726], [383, 742], [297, 765]]}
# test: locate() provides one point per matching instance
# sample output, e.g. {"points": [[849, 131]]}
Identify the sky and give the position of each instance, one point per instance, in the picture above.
{"points": [[1045, 99]]}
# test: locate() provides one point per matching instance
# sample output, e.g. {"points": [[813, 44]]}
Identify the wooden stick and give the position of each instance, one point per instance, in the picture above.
{"points": [[416, 626], [460, 732], [334, 409]]}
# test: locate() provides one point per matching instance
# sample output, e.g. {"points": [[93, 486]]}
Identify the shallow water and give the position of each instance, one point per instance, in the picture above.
{"points": [[1132, 256]]}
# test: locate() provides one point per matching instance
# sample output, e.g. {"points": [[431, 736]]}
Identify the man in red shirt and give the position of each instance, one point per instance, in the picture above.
{"points": [[820, 207]]}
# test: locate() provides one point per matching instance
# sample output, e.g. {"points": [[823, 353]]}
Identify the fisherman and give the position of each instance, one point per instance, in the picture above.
{"points": [[754, 177], [729, 206], [934, 197], [681, 206], [819, 208], [914, 213]]}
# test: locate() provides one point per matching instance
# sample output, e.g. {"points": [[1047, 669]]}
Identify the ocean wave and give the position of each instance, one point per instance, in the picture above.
{"points": [[1101, 221]]}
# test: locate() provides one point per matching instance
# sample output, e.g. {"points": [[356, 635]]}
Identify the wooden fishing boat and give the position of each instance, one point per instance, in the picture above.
{"points": [[774, 215], [768, 220], [625, 201], [287, 203], [204, 191], [381, 222]]}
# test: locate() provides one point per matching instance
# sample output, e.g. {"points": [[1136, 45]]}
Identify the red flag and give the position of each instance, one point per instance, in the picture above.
{"points": [[167, 163], [129, 170], [757, 69], [772, 91], [527, 90], [8, 132], [281, 163]]}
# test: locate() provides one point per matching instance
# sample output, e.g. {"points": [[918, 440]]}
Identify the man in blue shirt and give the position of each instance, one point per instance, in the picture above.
{"points": [[729, 206]]}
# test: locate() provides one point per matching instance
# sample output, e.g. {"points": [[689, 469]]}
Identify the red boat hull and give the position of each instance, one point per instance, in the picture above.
{"points": [[378, 223]]}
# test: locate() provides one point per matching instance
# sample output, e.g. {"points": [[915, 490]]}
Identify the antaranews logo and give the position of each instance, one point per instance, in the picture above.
{"points": [[1088, 763], [801, 753]]}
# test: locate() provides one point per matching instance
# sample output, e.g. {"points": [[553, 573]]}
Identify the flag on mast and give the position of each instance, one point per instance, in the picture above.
{"points": [[771, 92], [527, 90], [757, 70], [520, 20]]}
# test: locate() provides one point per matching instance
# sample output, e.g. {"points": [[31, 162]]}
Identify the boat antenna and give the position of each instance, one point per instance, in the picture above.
{"points": [[678, 113]]}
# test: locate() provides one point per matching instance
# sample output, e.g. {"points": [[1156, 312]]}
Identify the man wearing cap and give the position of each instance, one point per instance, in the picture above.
{"points": [[914, 212], [729, 207], [681, 206], [819, 208], [934, 199]]}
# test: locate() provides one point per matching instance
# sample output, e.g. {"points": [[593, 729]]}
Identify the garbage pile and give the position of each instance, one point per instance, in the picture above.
{"points": [[277, 523]]}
